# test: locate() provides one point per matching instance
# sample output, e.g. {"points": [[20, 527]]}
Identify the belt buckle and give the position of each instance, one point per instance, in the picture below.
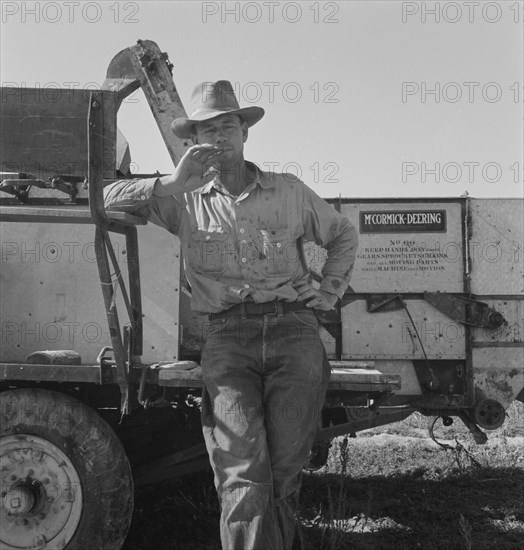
{"points": [[277, 311]]}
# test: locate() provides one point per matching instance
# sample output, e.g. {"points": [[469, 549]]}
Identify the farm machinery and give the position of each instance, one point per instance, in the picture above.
{"points": [[99, 360]]}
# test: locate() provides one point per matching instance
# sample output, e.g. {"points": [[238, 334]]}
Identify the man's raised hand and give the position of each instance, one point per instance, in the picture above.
{"points": [[192, 172]]}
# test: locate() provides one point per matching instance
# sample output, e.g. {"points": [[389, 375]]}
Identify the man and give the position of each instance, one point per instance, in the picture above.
{"points": [[264, 368]]}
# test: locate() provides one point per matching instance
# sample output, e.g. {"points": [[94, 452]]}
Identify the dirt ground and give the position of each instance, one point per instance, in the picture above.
{"points": [[390, 488]]}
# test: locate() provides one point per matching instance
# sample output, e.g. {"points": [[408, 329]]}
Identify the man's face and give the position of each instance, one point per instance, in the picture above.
{"points": [[227, 132]]}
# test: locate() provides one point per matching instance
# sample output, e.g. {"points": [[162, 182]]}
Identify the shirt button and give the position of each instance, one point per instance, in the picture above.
{"points": [[242, 230], [243, 241], [207, 237], [244, 260], [246, 286], [143, 197], [279, 245]]}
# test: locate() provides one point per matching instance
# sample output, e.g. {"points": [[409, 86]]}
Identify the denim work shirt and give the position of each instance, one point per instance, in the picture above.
{"points": [[246, 248]]}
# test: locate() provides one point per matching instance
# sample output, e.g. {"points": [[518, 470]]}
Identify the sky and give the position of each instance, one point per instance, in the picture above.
{"points": [[362, 98]]}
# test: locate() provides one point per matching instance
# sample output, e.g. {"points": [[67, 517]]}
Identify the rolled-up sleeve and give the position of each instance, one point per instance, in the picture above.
{"points": [[330, 229], [137, 197]]}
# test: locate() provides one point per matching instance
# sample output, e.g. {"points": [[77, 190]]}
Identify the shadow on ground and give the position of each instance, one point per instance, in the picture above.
{"points": [[481, 508]]}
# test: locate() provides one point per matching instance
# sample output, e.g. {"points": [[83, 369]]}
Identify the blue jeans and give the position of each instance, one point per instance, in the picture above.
{"points": [[265, 379]]}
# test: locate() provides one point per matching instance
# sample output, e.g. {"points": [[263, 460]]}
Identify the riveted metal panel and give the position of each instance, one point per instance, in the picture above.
{"points": [[51, 296], [391, 335], [510, 333], [401, 251], [498, 373], [160, 283], [497, 246]]}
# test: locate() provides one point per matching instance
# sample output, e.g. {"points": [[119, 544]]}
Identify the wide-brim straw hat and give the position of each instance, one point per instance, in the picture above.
{"points": [[212, 99]]}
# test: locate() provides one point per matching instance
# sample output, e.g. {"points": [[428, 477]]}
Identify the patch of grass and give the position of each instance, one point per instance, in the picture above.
{"points": [[182, 514], [391, 488]]}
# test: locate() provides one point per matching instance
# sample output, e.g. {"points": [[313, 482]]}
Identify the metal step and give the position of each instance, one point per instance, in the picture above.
{"points": [[344, 376]]}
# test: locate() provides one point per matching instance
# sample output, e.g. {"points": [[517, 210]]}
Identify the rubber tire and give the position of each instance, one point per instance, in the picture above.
{"points": [[95, 451]]}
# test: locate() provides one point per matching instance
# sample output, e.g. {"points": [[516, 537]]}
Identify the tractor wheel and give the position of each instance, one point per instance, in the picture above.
{"points": [[65, 478]]}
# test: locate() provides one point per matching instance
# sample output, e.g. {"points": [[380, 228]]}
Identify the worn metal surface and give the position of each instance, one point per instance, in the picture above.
{"points": [[466, 310], [51, 297], [44, 132], [498, 373], [406, 258], [509, 334], [410, 384], [351, 379], [104, 250], [60, 214], [492, 270], [409, 257], [144, 65], [496, 246], [390, 334]]}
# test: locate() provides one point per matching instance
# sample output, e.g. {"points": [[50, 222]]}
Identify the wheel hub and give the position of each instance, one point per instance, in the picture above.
{"points": [[19, 501], [41, 494], [489, 414]]}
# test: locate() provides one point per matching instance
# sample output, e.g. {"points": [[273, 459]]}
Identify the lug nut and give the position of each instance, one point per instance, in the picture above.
{"points": [[15, 502]]}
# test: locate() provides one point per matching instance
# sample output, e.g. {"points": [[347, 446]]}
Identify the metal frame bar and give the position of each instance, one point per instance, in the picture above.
{"points": [[112, 316], [144, 66], [104, 251], [383, 415], [468, 332]]}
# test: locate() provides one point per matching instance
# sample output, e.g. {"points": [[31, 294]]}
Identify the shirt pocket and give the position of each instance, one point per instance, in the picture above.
{"points": [[280, 251], [209, 251]]}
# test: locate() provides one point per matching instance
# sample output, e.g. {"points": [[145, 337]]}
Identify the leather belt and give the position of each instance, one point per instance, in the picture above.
{"points": [[250, 309]]}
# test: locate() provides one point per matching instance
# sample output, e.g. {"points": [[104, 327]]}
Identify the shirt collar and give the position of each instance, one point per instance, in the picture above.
{"points": [[266, 180]]}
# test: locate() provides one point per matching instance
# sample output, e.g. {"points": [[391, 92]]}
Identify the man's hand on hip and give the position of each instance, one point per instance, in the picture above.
{"points": [[316, 298]]}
